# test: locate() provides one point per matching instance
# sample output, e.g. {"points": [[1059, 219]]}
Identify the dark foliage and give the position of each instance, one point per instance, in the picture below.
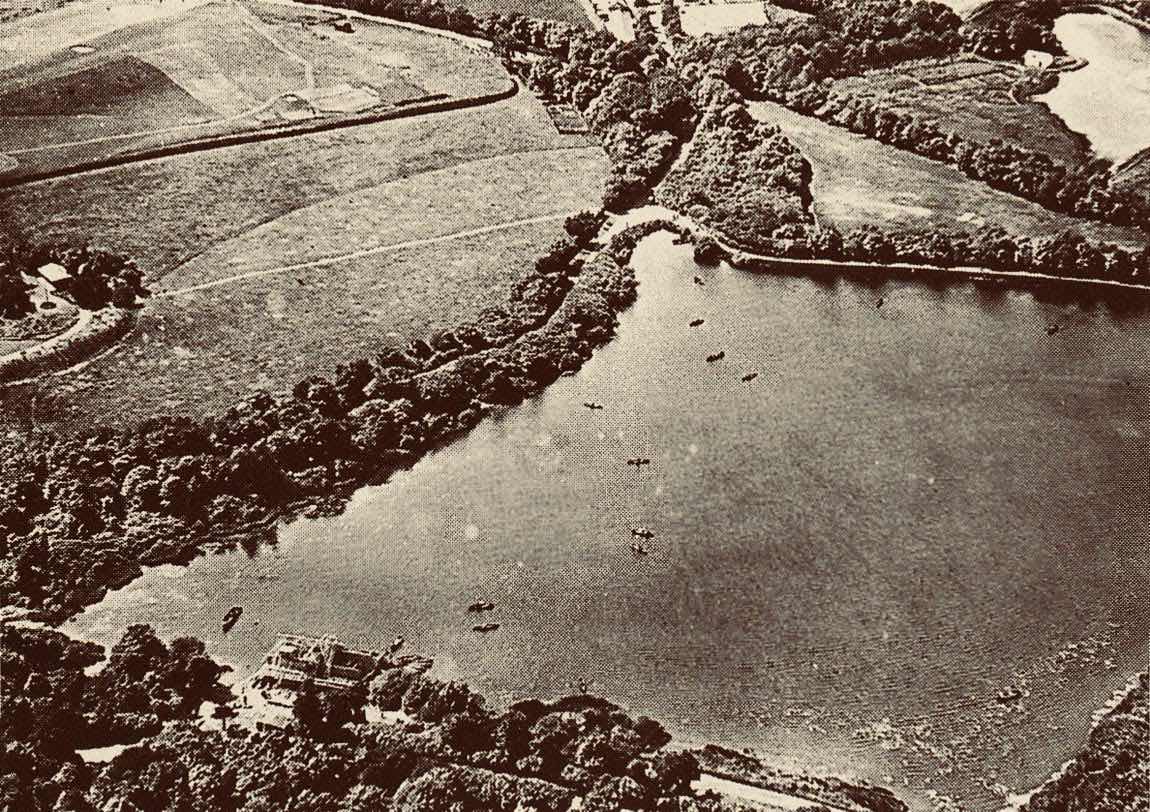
{"points": [[53, 707], [795, 63], [1113, 772], [80, 514]]}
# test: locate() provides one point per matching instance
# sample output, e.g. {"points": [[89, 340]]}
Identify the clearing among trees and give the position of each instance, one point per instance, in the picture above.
{"points": [[980, 98], [858, 182]]}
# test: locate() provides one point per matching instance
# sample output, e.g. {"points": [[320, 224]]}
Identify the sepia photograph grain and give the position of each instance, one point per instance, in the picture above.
{"points": [[554, 405]]}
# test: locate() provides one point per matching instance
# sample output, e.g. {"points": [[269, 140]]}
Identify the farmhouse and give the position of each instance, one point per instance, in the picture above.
{"points": [[1038, 59], [54, 275]]}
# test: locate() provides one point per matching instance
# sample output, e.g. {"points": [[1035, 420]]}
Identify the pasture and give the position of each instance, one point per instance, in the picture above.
{"points": [[858, 182], [219, 68], [211, 215], [199, 353], [379, 55], [473, 195], [166, 212], [974, 97]]}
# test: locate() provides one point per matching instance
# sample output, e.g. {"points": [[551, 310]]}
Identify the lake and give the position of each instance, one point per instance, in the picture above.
{"points": [[910, 509], [1108, 101]]}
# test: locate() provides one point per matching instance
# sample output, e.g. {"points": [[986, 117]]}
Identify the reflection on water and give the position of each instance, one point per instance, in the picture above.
{"points": [[1108, 101], [909, 509]]}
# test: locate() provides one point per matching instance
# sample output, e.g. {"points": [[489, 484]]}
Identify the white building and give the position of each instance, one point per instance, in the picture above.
{"points": [[1038, 59]]}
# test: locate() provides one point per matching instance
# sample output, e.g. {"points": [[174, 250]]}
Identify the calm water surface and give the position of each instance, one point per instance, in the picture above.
{"points": [[910, 508], [1108, 101]]}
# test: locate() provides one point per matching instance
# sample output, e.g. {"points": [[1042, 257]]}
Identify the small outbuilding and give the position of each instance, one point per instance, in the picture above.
{"points": [[1038, 59], [54, 275]]}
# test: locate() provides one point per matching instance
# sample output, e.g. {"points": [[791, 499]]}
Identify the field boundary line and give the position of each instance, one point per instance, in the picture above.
{"points": [[434, 107], [366, 252]]}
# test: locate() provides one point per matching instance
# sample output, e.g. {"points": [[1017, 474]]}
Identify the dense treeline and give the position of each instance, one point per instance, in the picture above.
{"points": [[82, 513], [740, 176], [634, 102], [1006, 29], [631, 95], [54, 706], [743, 179], [1112, 773], [1136, 8], [1084, 192], [796, 62], [1067, 255], [97, 278], [583, 743], [997, 29], [455, 754], [412, 767], [671, 16]]}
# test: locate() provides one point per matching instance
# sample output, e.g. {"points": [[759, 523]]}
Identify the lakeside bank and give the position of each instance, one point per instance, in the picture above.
{"points": [[993, 477], [1129, 699], [751, 261], [389, 414]]}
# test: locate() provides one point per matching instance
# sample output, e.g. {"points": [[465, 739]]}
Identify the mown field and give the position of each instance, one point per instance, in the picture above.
{"points": [[214, 214], [379, 55], [217, 68], [860, 182], [435, 204], [166, 212], [199, 354], [209, 57], [973, 97]]}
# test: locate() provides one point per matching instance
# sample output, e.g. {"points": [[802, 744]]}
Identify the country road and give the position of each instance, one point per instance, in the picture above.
{"points": [[366, 252]]}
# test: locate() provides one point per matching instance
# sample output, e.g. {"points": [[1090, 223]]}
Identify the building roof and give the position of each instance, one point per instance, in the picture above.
{"points": [[54, 272], [1038, 59]]}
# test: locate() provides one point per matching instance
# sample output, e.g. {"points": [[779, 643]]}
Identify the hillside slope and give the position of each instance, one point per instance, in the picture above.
{"points": [[1134, 174]]}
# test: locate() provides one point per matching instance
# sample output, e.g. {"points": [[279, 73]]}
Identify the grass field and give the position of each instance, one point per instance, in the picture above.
{"points": [[858, 182], [218, 68], [197, 354], [441, 202], [166, 212], [208, 215], [57, 25], [211, 51], [123, 87], [378, 55], [973, 97]]}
